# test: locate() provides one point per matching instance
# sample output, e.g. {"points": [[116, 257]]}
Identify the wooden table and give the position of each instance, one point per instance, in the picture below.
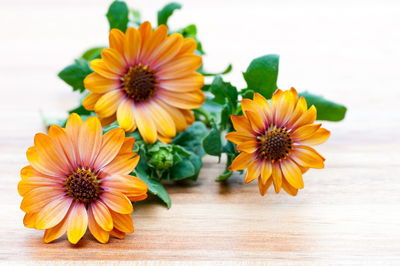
{"points": [[348, 213]]}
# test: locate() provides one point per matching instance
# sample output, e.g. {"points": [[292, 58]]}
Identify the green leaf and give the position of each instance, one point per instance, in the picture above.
{"points": [[156, 188], [164, 14], [224, 176], [74, 74], [326, 110], [191, 138], [182, 170], [224, 90], [92, 53], [262, 74], [226, 71], [212, 142], [153, 184], [80, 110], [117, 15]]}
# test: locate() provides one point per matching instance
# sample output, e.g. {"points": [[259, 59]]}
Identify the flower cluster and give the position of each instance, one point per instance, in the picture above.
{"points": [[147, 116]]}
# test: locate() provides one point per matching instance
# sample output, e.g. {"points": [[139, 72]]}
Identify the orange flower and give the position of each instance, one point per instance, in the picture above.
{"points": [[274, 141], [78, 178], [146, 80]]}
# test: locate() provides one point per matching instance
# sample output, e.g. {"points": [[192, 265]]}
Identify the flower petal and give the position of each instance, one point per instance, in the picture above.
{"points": [[180, 66], [188, 100], [307, 157], [166, 50], [176, 115], [90, 138], [57, 231], [292, 173], [145, 124], [52, 214], [98, 84], [122, 164], [253, 171], [110, 147], [123, 222], [118, 234], [189, 46], [42, 166], [108, 104], [162, 120], [266, 171], [127, 146], [248, 146], [102, 215], [191, 82], [152, 43], [116, 40], [288, 188], [132, 45], [258, 124], [264, 187], [60, 138], [239, 137], [99, 233], [114, 61], [241, 124], [277, 176], [319, 137], [117, 202], [77, 223], [242, 161], [308, 117], [37, 198], [125, 116], [100, 67]]}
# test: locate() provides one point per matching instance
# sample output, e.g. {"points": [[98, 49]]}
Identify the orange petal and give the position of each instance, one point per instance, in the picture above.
{"points": [[132, 45], [248, 146], [264, 187], [308, 117], [266, 171], [123, 222], [307, 157], [90, 101], [166, 50], [189, 46], [90, 138], [188, 100], [152, 43], [180, 66], [30, 220], [102, 215], [57, 231], [249, 105], [125, 116], [191, 82], [242, 161], [129, 185], [319, 137], [176, 115], [264, 106], [127, 146], [108, 104], [288, 188], [52, 214], [60, 138], [117, 202], [292, 173], [41, 165], [73, 127], [277, 176], [30, 183], [99, 233], [106, 121], [99, 84], [114, 61], [145, 124], [118, 234], [36, 199], [145, 31], [162, 120], [253, 171], [77, 223], [304, 132], [242, 124], [100, 67], [51, 154], [300, 108], [189, 116], [110, 147], [122, 164], [116, 39], [239, 137], [257, 123]]}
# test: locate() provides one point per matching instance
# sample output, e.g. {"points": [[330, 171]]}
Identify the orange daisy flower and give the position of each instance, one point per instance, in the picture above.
{"points": [[78, 178], [274, 140], [146, 80]]}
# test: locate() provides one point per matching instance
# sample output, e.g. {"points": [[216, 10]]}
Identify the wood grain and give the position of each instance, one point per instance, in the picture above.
{"points": [[346, 50]]}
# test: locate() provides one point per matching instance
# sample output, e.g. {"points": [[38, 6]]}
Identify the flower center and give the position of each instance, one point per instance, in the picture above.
{"points": [[140, 83], [275, 144], [83, 186]]}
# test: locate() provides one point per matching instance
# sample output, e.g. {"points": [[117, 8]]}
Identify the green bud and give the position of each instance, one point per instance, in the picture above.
{"points": [[162, 159]]}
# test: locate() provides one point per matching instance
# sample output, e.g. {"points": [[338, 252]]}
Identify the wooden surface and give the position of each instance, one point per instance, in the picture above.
{"points": [[346, 50]]}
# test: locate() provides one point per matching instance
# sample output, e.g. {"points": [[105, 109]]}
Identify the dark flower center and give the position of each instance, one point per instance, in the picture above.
{"points": [[83, 186], [275, 144], [140, 83]]}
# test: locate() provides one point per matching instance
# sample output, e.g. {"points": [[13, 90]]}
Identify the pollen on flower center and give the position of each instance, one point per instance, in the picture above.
{"points": [[83, 186], [140, 83], [275, 144]]}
